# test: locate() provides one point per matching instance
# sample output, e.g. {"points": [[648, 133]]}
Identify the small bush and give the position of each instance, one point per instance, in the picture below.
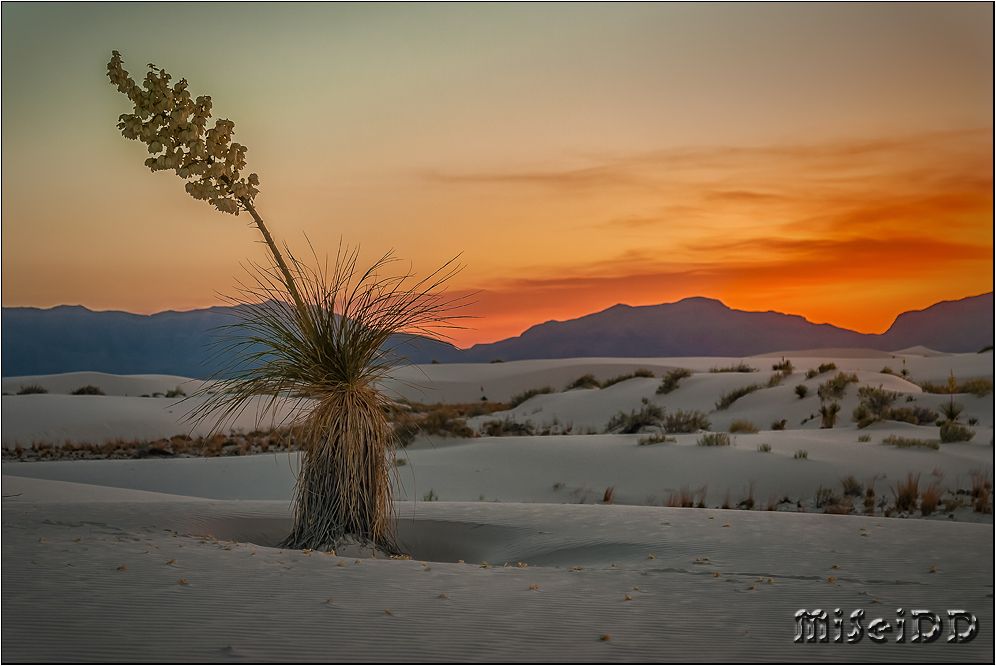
{"points": [[89, 389], [685, 422], [916, 415], [802, 391], [764, 448], [743, 426], [864, 438], [656, 438], [520, 398], [874, 405], [683, 498], [32, 389], [431, 496], [887, 371], [775, 379], [976, 386], [828, 414], [728, 399], [906, 492], [852, 487], [910, 442], [811, 373], [639, 372], [176, 393], [825, 497], [981, 489], [714, 439], [826, 367], [952, 410], [584, 381], [507, 428], [779, 425], [785, 367], [739, 367], [671, 380], [973, 421], [835, 387], [648, 415], [929, 500], [801, 454], [956, 432]]}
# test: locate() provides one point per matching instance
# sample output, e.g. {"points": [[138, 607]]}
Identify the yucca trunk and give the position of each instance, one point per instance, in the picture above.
{"points": [[344, 483]]}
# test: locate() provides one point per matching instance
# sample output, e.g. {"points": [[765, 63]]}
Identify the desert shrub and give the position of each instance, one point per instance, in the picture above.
{"points": [[851, 486], [747, 503], [981, 489], [825, 497], [507, 428], [683, 498], [870, 499], [826, 367], [176, 393], [802, 391], [31, 389], [496, 360], [836, 386], [864, 438], [639, 372], [906, 492], [779, 425], [952, 410], [737, 367], [887, 371], [785, 367], [520, 398], [714, 439], [918, 415], [584, 381], [647, 416], [956, 432], [729, 398], [743, 426], [929, 499], [671, 379], [874, 405], [976, 386], [973, 421], [828, 414], [656, 438], [431, 496], [775, 379], [801, 454], [764, 448], [89, 389], [910, 442], [685, 422], [811, 373]]}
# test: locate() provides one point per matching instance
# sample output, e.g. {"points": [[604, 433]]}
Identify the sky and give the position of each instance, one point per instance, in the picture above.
{"points": [[829, 160]]}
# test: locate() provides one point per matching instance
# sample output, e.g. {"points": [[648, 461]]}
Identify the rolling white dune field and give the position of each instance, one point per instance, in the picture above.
{"points": [[94, 575], [95, 550]]}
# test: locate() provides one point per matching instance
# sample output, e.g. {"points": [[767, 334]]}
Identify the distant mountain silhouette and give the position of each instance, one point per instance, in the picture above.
{"points": [[706, 327], [73, 338]]}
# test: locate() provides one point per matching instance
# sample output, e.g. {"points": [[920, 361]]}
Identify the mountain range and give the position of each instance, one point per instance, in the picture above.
{"points": [[74, 338]]}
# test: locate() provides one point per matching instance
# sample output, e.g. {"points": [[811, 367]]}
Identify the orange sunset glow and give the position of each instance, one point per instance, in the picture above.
{"points": [[831, 161]]}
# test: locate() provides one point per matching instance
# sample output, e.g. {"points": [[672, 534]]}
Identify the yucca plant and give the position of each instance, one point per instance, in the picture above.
{"points": [[316, 335]]}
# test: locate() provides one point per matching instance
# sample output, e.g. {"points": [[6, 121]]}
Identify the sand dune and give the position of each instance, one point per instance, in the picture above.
{"points": [[174, 559]]}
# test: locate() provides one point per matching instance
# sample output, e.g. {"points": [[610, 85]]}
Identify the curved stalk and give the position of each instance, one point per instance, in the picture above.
{"points": [[277, 256]]}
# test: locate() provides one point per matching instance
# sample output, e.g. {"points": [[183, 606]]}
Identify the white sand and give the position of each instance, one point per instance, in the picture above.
{"points": [[99, 580], [88, 545]]}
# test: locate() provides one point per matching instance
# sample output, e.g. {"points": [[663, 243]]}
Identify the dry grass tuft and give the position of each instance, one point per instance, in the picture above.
{"points": [[906, 492]]}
